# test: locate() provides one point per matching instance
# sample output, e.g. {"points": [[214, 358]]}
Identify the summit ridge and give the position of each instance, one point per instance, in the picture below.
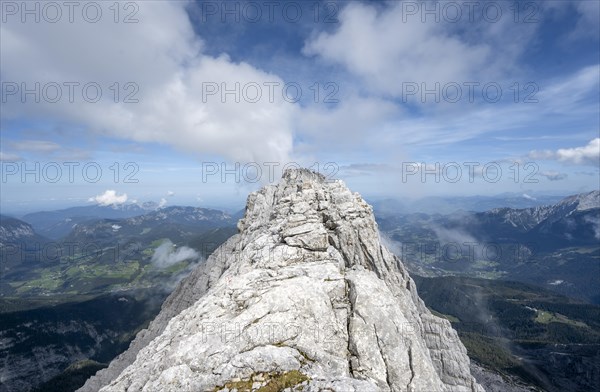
{"points": [[304, 297]]}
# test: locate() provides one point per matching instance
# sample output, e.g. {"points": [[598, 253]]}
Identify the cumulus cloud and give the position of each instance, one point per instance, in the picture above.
{"points": [[588, 154], [108, 198], [167, 254], [161, 70], [386, 47], [384, 52]]}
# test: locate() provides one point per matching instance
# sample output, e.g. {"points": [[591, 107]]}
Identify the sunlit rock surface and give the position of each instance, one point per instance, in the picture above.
{"points": [[305, 297]]}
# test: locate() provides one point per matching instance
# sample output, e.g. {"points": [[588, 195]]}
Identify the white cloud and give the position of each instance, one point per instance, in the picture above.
{"points": [[541, 154], [170, 193], [588, 154], [595, 222], [167, 254], [456, 243], [162, 202], [378, 51], [109, 197], [352, 122], [36, 146], [386, 48], [587, 25], [163, 57], [9, 157], [365, 169], [386, 52], [525, 195], [49, 150], [553, 175], [570, 94]]}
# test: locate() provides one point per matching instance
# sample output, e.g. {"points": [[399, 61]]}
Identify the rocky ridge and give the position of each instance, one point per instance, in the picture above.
{"points": [[305, 297], [529, 218]]}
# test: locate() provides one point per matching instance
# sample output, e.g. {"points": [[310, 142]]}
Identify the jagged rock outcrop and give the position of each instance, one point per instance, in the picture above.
{"points": [[304, 297]]}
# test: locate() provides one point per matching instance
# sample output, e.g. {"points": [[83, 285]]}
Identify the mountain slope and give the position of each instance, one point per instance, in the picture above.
{"points": [[305, 296], [39, 343], [573, 221], [548, 340], [20, 248], [15, 232]]}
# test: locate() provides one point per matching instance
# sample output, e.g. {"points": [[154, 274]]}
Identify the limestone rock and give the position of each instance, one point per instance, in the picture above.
{"points": [[305, 297]]}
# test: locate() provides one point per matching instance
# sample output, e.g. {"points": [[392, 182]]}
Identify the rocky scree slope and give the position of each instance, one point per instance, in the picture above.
{"points": [[305, 297]]}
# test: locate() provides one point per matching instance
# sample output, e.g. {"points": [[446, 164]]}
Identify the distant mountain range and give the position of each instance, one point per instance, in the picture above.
{"points": [[556, 246], [452, 204], [56, 224], [175, 223], [573, 221]]}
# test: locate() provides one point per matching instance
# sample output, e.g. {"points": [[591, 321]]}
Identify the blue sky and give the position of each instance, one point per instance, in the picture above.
{"points": [[399, 99]]}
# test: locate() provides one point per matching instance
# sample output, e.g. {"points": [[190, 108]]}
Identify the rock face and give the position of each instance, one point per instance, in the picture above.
{"points": [[305, 297]]}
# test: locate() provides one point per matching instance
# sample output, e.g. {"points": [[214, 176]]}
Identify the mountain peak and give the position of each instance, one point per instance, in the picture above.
{"points": [[585, 201], [302, 209], [304, 297], [302, 175]]}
